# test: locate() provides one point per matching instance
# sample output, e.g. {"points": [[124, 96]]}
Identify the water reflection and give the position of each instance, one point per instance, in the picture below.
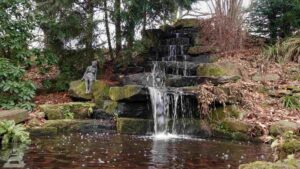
{"points": [[110, 151], [13, 157]]}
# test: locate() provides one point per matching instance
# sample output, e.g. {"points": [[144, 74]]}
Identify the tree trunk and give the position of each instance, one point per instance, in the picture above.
{"points": [[118, 27], [107, 30], [90, 29]]}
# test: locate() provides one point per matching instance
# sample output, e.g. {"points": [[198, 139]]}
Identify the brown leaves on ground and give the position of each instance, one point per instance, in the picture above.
{"points": [[261, 109], [52, 98], [37, 76]]}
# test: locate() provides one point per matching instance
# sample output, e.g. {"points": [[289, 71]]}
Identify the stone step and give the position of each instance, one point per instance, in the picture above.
{"points": [[145, 79], [18, 115], [79, 110], [180, 81]]}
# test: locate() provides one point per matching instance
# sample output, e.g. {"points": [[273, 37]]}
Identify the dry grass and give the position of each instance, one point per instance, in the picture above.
{"points": [[288, 50]]}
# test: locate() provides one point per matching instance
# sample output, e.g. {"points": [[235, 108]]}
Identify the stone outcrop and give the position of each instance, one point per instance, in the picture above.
{"points": [[218, 69], [281, 127], [77, 91], [79, 110], [18, 115], [134, 93]]}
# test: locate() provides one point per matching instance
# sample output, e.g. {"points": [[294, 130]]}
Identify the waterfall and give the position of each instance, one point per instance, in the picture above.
{"points": [[168, 104], [164, 100]]}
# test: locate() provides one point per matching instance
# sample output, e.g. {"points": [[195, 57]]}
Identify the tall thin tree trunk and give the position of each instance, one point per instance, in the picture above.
{"points": [[107, 30], [90, 29], [118, 27]]}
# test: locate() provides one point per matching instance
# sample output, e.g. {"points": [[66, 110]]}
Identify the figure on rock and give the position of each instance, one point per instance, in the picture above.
{"points": [[90, 76]]}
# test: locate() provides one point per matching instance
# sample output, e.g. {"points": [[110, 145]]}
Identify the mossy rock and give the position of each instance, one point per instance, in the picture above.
{"points": [[129, 93], [233, 125], [79, 110], [220, 113], [100, 90], [134, 126], [286, 164], [218, 69], [187, 23], [111, 107], [283, 126]]}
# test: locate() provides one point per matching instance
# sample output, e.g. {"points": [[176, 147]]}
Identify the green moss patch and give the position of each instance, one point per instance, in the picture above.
{"points": [[79, 110], [125, 92]]}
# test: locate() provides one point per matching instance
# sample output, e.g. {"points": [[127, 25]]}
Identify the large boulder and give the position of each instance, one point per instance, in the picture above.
{"points": [[218, 69], [64, 111], [100, 90], [283, 126], [18, 115], [134, 126], [129, 93]]}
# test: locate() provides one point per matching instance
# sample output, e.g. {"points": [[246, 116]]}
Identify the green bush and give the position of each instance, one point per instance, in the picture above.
{"points": [[12, 133], [14, 90]]}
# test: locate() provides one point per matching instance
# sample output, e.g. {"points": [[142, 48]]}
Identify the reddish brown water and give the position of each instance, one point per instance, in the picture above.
{"points": [[97, 151]]}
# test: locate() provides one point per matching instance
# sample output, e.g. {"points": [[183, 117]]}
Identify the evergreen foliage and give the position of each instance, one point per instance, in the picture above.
{"points": [[275, 18]]}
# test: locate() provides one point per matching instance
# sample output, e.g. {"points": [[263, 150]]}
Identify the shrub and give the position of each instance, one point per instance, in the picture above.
{"points": [[14, 90], [12, 133]]}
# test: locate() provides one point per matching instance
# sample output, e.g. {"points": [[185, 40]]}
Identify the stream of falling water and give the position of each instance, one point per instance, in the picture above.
{"points": [[167, 102]]}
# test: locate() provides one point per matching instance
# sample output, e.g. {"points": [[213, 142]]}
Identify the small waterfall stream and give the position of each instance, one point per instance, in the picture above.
{"points": [[167, 102]]}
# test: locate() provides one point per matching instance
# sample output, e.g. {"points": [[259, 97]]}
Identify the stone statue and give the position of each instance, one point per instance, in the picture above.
{"points": [[90, 76]]}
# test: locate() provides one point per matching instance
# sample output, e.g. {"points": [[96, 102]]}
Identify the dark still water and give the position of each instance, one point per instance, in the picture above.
{"points": [[93, 151]]}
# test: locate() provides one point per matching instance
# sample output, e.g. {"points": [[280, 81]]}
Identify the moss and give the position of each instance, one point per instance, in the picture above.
{"points": [[110, 107], [288, 164], [218, 69], [77, 90], [220, 113], [100, 90], [126, 92], [134, 126], [57, 111], [233, 125], [291, 146]]}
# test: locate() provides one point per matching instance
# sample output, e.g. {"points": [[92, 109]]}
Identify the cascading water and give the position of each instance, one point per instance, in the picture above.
{"points": [[166, 102]]}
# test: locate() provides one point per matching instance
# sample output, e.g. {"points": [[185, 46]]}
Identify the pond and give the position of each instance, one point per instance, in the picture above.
{"points": [[101, 150]]}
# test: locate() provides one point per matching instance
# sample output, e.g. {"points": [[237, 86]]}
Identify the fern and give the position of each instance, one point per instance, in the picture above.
{"points": [[12, 133]]}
